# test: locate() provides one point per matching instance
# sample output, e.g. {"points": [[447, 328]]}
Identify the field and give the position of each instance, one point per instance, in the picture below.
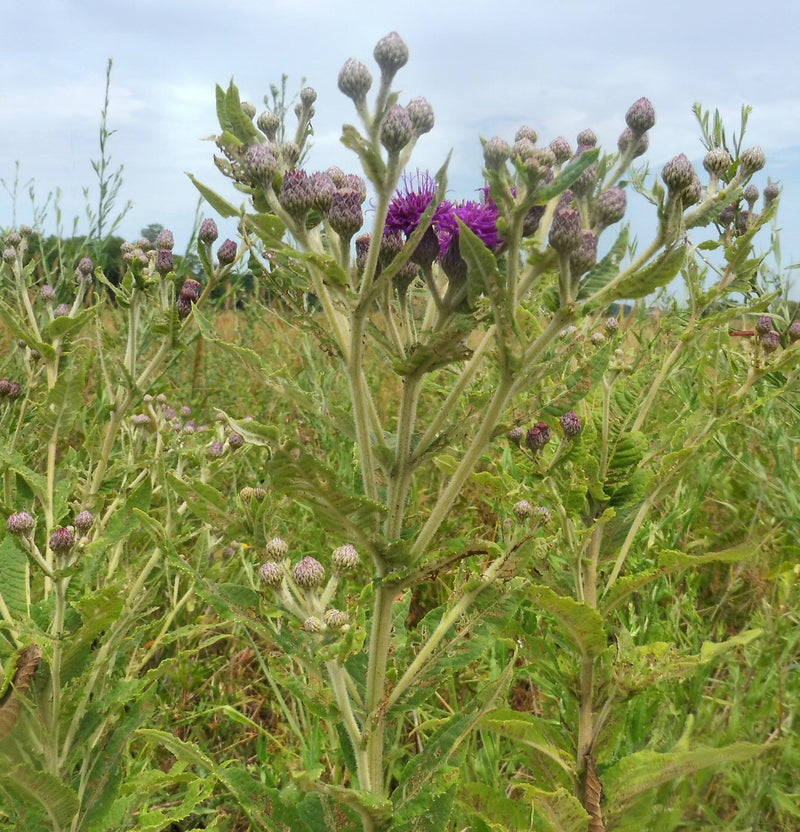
{"points": [[405, 524]]}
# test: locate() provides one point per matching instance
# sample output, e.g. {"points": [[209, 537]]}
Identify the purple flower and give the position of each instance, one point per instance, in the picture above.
{"points": [[410, 203], [479, 217]]}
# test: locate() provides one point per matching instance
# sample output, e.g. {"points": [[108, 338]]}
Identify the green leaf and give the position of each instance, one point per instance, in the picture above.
{"points": [[202, 499], [482, 273], [580, 623], [218, 203], [240, 124], [533, 731], [607, 269], [557, 811], [432, 814], [567, 176], [644, 770], [13, 568], [65, 325], [373, 165], [499, 812], [42, 788], [646, 280]]}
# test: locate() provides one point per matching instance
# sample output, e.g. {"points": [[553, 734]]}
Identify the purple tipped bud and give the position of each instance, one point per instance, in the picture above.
{"points": [[628, 139], [337, 174], [345, 558], [585, 256], [248, 109], [527, 133], [9, 255], [312, 624], [390, 54], [289, 152], [308, 572], [21, 523], [271, 573], [277, 548], [235, 441], [678, 173], [308, 95], [86, 266], [345, 216], [598, 339], [5, 386], [570, 424], [515, 435], [216, 449], [752, 160], [322, 191], [14, 390], [62, 539], [208, 231], [396, 130], [770, 341], [353, 182], [522, 149], [717, 161], [226, 253], [530, 223], [727, 215], [48, 294], [692, 193], [164, 261], [259, 494], [794, 332], [641, 116], [260, 165], [611, 325], [522, 510], [335, 619], [296, 195], [354, 80], [587, 138], [771, 192], [566, 232], [561, 150], [543, 514], [763, 325], [268, 123], [183, 306], [610, 207], [538, 436], [165, 239], [84, 521], [190, 290]]}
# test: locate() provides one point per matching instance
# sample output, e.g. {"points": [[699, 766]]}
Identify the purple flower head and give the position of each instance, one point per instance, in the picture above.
{"points": [[479, 217], [411, 201]]}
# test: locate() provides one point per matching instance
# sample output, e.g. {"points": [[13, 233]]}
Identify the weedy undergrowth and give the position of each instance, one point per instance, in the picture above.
{"points": [[504, 468]]}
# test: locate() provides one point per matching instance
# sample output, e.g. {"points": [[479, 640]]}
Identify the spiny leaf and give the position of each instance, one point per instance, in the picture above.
{"points": [[530, 730], [646, 280], [557, 811], [27, 661], [581, 623], [13, 568], [607, 269], [42, 788], [218, 203]]}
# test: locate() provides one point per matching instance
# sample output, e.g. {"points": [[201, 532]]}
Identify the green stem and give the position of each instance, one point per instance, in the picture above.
{"points": [[339, 685], [400, 480]]}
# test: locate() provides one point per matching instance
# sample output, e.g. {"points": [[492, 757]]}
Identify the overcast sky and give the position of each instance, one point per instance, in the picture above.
{"points": [[486, 67]]}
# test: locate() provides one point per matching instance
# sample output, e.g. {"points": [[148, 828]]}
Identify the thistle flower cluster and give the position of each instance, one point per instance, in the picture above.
{"points": [[301, 588], [10, 390]]}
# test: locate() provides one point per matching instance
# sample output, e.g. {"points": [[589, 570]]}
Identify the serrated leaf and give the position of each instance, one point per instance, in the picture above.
{"points": [[373, 165], [567, 176], [42, 788], [607, 269], [532, 731], [557, 811], [13, 568], [26, 662], [499, 812], [65, 324], [582, 624], [202, 499], [240, 124]]}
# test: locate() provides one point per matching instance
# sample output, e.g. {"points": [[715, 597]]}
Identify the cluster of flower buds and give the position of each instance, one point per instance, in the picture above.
{"points": [[769, 338], [523, 511], [63, 539], [189, 294], [538, 436], [301, 588], [10, 390]]}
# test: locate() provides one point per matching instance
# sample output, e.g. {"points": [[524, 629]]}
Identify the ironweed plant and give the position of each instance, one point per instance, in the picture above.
{"points": [[500, 485]]}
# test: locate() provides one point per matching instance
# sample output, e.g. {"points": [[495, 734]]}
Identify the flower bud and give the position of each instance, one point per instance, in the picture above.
{"points": [[335, 619], [598, 339], [215, 450], [396, 130], [641, 116], [260, 165], [277, 548], [14, 390], [322, 191], [48, 294], [296, 195], [522, 510], [164, 261], [543, 514], [312, 624], [235, 441], [561, 150], [585, 256], [763, 325], [565, 231], [628, 139], [248, 109], [421, 114], [9, 255], [794, 332], [289, 152], [610, 207], [531, 221], [268, 123], [84, 521], [86, 266], [522, 149], [354, 80], [226, 253], [354, 182], [208, 231], [751, 195], [538, 436], [308, 95], [190, 290], [752, 160], [308, 572], [587, 138], [678, 173], [527, 133], [21, 523], [345, 558], [771, 192], [770, 341], [611, 325], [692, 193], [717, 161], [345, 216], [727, 215], [515, 435], [271, 573], [183, 306], [62, 540], [570, 424], [390, 54], [165, 239]]}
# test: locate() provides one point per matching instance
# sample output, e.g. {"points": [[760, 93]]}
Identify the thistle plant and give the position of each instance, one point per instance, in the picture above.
{"points": [[456, 323]]}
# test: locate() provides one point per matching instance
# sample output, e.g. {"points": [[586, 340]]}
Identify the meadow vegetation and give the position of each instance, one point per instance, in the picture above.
{"points": [[400, 524]]}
